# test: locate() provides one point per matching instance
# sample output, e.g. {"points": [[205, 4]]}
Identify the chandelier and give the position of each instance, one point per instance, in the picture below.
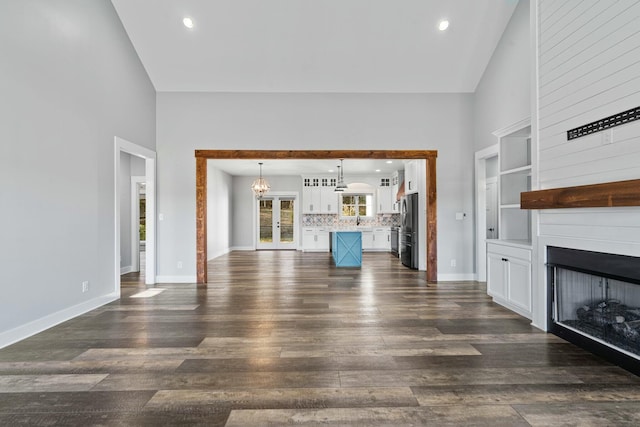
{"points": [[260, 186], [341, 186]]}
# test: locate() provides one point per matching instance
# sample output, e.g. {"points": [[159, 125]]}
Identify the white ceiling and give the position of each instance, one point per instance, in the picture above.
{"points": [[376, 46], [352, 167]]}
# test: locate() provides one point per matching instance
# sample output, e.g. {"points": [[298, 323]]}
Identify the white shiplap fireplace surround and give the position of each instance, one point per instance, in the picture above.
{"points": [[584, 72]]}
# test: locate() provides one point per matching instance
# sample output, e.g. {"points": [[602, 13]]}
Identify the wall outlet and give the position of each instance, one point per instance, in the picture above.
{"points": [[179, 264], [453, 263], [85, 286]]}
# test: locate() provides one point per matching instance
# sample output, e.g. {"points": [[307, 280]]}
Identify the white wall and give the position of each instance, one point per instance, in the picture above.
{"points": [[220, 197], [189, 121], [70, 81], [588, 70], [244, 204], [503, 96]]}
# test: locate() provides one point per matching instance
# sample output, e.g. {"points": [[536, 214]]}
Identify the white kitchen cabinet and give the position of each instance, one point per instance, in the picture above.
{"points": [[315, 239], [328, 200], [411, 177], [311, 200], [318, 195], [382, 239], [385, 200], [367, 240], [509, 276]]}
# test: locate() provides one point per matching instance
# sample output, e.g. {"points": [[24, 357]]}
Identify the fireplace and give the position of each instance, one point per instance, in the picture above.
{"points": [[594, 302]]}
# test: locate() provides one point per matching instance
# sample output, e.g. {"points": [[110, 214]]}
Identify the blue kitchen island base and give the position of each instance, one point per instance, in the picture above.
{"points": [[346, 248]]}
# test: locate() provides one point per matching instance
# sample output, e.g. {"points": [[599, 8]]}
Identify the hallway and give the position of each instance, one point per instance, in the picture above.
{"points": [[285, 338]]}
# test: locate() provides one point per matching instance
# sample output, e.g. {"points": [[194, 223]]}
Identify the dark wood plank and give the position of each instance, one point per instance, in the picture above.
{"points": [[316, 154], [432, 221], [275, 339], [610, 194], [201, 219]]}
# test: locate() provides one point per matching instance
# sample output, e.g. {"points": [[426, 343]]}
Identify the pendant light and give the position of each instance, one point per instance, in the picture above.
{"points": [[338, 189], [260, 186], [341, 186]]}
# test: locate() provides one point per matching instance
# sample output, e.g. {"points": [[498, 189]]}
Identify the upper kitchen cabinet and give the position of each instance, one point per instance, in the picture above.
{"points": [[318, 195], [386, 197], [411, 176]]}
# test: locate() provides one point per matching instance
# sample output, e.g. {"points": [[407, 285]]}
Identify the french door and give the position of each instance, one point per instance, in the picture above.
{"points": [[277, 223]]}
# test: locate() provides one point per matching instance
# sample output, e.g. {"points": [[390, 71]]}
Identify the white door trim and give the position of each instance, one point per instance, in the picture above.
{"points": [[481, 206], [124, 146], [135, 221], [296, 217]]}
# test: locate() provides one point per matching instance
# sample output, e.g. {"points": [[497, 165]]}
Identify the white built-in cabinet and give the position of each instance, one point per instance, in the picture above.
{"points": [[509, 256], [509, 277]]}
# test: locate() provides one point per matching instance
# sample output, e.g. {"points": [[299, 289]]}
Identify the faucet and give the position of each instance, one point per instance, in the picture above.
{"points": [[357, 220]]}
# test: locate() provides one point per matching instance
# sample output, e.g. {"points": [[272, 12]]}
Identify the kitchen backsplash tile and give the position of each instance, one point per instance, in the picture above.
{"points": [[324, 220]]}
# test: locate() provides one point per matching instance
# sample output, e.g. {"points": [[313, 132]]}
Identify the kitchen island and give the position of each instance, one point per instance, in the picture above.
{"points": [[346, 248]]}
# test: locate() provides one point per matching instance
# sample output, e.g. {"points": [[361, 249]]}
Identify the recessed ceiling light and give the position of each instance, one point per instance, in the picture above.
{"points": [[330, 170], [188, 22], [389, 162], [377, 170], [443, 25]]}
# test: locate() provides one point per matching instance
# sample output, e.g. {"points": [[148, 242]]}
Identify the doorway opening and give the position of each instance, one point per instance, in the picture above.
{"points": [[136, 274], [486, 165], [124, 217], [430, 214]]}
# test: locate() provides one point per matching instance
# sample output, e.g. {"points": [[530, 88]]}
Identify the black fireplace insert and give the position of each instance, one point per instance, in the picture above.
{"points": [[594, 302]]}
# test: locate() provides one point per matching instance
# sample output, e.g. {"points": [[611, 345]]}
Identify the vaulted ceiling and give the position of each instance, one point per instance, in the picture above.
{"points": [[355, 46]]}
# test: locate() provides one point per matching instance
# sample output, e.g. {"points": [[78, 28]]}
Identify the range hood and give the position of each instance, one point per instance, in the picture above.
{"points": [[400, 193]]}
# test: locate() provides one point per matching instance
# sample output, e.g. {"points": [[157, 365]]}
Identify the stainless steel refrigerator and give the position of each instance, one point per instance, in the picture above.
{"points": [[409, 236]]}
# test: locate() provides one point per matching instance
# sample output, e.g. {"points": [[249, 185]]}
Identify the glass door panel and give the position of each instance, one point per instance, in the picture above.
{"points": [[286, 221], [266, 220]]}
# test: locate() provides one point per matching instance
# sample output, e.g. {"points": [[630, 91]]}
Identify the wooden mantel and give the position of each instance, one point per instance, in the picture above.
{"points": [[610, 194]]}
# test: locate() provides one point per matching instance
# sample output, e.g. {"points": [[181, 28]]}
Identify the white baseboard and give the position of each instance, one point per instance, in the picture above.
{"points": [[176, 279], [463, 277], [24, 331], [242, 248], [126, 269], [218, 253]]}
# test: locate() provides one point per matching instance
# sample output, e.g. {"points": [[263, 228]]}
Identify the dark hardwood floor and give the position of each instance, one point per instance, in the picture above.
{"points": [[285, 338]]}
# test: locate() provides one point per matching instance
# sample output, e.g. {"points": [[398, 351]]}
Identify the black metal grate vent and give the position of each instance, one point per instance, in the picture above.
{"points": [[606, 123]]}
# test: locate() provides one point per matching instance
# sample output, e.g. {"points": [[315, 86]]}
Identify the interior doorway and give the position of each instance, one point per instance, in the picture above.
{"points": [[277, 222], [149, 157], [486, 168]]}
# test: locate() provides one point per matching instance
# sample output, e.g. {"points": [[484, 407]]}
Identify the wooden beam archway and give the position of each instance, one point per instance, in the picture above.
{"points": [[201, 191]]}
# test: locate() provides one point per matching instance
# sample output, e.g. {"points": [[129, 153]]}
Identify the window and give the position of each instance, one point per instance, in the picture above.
{"points": [[357, 205]]}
